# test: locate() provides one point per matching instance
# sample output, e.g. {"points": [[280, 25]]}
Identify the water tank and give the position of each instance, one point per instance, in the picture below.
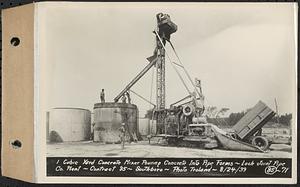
{"points": [[69, 124], [147, 126], [108, 118]]}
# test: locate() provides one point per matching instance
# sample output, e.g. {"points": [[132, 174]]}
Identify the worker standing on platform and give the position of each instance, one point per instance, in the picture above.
{"points": [[128, 97], [102, 96], [124, 99], [123, 131]]}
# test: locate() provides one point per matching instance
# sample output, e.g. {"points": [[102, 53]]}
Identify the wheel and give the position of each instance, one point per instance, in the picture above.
{"points": [[261, 142], [187, 110], [233, 135]]}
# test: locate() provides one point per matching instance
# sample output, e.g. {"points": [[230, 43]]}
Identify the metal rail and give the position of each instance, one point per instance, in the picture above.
{"points": [[189, 96], [183, 82]]}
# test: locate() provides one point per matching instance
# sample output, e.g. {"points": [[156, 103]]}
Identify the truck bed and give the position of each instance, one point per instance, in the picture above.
{"points": [[253, 120]]}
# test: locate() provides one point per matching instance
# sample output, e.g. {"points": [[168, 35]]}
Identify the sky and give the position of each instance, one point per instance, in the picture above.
{"points": [[242, 52]]}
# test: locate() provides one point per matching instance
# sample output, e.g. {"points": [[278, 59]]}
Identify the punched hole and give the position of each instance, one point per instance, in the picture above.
{"points": [[15, 41], [16, 144]]}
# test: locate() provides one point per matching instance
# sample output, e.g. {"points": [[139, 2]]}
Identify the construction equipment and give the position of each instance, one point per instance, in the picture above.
{"points": [[183, 124], [140, 75], [165, 27], [248, 128], [245, 135]]}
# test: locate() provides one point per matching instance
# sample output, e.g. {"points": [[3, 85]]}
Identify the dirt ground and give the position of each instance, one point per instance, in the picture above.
{"points": [[144, 149]]}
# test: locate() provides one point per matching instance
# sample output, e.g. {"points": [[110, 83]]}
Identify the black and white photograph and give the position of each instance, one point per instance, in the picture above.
{"points": [[168, 89]]}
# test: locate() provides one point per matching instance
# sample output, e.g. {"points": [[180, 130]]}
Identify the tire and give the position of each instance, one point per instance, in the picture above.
{"points": [[260, 142], [233, 135]]}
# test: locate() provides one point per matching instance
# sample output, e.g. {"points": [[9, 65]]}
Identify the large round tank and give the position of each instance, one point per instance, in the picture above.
{"points": [[147, 126], [69, 124], [109, 118]]}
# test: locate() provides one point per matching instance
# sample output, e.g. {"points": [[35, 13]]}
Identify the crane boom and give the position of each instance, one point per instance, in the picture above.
{"points": [[152, 62]]}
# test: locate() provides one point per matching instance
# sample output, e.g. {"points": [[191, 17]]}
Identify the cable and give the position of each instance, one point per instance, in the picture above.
{"points": [[141, 97], [173, 64], [184, 68]]}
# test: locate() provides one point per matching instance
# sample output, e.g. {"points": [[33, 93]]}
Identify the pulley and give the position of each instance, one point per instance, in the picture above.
{"points": [[188, 110]]}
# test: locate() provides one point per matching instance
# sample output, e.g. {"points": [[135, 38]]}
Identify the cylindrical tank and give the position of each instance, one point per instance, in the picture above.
{"points": [[69, 124], [147, 126], [109, 118]]}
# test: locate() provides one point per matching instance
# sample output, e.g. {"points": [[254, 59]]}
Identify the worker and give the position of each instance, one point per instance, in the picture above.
{"points": [[198, 85], [122, 135], [128, 97], [123, 99], [102, 96]]}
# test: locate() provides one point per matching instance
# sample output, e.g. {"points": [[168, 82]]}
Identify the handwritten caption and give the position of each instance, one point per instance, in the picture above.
{"points": [[167, 167]]}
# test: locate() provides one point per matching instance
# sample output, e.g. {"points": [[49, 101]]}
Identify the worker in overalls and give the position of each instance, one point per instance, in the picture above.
{"points": [[122, 135]]}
